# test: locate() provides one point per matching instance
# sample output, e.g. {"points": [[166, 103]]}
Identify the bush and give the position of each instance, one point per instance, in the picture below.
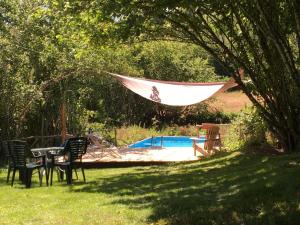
{"points": [[247, 129]]}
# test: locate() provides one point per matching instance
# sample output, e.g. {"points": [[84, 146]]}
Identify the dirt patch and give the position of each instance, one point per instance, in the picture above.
{"points": [[227, 102]]}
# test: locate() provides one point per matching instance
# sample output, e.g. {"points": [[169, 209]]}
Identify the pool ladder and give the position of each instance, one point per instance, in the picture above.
{"points": [[161, 141]]}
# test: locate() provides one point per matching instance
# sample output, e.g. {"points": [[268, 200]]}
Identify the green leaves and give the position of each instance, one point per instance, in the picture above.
{"points": [[55, 46], [253, 35]]}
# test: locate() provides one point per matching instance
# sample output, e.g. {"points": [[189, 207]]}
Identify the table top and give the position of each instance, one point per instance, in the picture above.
{"points": [[47, 149]]}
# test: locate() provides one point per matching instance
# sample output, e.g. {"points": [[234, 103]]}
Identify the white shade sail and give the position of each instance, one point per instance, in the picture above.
{"points": [[173, 93]]}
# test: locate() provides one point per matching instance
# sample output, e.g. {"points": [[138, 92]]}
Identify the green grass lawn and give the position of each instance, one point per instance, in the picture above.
{"points": [[231, 188]]}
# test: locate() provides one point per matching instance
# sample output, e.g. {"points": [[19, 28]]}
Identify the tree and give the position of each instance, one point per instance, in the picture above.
{"points": [[36, 66], [51, 58], [261, 37]]}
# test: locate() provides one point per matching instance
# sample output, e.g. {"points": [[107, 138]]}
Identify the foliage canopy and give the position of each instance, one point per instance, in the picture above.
{"points": [[258, 38], [53, 54]]}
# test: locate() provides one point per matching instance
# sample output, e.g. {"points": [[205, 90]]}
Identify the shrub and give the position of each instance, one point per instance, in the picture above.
{"points": [[247, 129], [176, 130]]}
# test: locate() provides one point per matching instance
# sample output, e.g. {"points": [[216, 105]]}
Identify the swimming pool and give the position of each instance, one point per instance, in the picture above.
{"points": [[165, 141]]}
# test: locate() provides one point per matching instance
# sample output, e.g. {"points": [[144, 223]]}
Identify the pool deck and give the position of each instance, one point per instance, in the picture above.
{"points": [[137, 156]]}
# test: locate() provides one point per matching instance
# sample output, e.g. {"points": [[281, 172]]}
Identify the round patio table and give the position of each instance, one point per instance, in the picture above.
{"points": [[43, 152]]}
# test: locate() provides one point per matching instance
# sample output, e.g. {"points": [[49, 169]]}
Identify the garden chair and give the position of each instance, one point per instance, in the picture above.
{"points": [[94, 141], [212, 139], [96, 146], [70, 158], [18, 150]]}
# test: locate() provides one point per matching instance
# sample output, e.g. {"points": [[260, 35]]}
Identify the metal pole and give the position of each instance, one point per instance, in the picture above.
{"points": [[116, 144]]}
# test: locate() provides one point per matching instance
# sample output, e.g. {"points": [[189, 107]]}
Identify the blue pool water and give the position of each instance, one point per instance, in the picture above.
{"points": [[165, 141]]}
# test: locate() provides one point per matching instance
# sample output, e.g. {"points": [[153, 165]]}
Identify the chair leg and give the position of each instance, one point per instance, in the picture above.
{"points": [[76, 173], [48, 172], [47, 175], [69, 174], [51, 176], [220, 144], [194, 147], [40, 176], [83, 174], [26, 177], [13, 177], [60, 174], [8, 174], [22, 175], [28, 173]]}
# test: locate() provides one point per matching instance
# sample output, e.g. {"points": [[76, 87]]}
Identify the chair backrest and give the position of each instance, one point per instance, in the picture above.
{"points": [[212, 135], [5, 149], [17, 149], [6, 152], [94, 140], [76, 147]]}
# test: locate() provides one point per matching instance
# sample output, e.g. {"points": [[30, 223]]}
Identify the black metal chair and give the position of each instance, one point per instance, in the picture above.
{"points": [[18, 150], [70, 158]]}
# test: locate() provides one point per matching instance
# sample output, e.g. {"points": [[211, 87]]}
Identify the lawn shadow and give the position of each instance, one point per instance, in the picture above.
{"points": [[229, 188], [243, 189]]}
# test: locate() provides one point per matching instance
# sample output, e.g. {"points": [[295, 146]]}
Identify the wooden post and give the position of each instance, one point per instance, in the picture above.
{"points": [[63, 119], [116, 144], [42, 131]]}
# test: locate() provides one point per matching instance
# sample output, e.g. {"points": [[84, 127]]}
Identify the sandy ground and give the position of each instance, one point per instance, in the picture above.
{"points": [[229, 101], [139, 155]]}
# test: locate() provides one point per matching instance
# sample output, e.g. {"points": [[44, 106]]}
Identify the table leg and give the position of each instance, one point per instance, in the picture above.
{"points": [[69, 174]]}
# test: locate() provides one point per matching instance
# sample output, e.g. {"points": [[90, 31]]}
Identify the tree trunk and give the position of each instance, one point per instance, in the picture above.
{"points": [[63, 121]]}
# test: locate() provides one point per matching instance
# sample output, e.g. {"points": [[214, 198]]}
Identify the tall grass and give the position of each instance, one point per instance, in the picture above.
{"points": [[131, 134]]}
